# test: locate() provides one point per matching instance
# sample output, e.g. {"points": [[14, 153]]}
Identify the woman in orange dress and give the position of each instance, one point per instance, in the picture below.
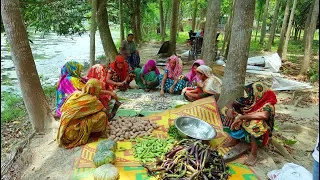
{"points": [[83, 114]]}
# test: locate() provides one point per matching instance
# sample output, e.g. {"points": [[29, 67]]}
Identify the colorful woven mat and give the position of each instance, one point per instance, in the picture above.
{"points": [[130, 169]]}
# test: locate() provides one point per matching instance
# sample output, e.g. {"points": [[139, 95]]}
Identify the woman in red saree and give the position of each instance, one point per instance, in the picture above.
{"points": [[250, 118], [119, 75], [99, 72]]}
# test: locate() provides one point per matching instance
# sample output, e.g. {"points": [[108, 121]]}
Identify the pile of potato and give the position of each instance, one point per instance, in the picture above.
{"points": [[130, 127]]}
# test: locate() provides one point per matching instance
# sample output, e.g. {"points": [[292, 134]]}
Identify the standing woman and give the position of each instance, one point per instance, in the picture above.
{"points": [[170, 81], [147, 76], [99, 72], [70, 80], [209, 85], [118, 74]]}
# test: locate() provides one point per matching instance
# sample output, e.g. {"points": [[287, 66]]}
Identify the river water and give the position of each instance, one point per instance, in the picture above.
{"points": [[50, 53]]}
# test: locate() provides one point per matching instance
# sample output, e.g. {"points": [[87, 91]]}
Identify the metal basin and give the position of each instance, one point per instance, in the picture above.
{"points": [[195, 128]]}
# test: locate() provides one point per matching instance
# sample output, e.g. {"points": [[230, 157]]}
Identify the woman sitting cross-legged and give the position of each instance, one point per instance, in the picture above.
{"points": [[209, 85], [170, 81], [147, 77], [192, 77], [70, 81], [83, 114], [250, 118], [118, 74]]}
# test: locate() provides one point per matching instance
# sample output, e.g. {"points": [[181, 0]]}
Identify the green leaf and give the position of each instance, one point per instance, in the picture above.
{"points": [[290, 142]]}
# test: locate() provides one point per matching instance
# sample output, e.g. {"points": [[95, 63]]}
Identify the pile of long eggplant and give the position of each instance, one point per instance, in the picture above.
{"points": [[190, 160]]}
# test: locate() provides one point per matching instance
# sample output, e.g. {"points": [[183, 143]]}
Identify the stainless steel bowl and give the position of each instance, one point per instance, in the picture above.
{"points": [[195, 128]]}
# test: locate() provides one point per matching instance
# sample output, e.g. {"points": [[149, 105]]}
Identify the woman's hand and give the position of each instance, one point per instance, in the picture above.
{"points": [[119, 83], [144, 82], [161, 92], [181, 77], [236, 124], [114, 96], [171, 90], [229, 117]]}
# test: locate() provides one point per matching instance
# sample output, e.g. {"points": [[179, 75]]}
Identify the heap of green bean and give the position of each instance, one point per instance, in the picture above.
{"points": [[174, 132], [149, 147], [190, 159]]}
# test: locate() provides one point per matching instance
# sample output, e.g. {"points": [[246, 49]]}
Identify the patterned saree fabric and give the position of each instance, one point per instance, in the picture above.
{"points": [[70, 80], [82, 114], [259, 98]]}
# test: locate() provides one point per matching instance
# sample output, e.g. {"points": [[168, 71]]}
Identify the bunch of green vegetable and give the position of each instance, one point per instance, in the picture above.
{"points": [[174, 132], [190, 159], [149, 147], [105, 153]]}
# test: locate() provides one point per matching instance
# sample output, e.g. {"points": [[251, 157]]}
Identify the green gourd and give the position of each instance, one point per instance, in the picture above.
{"points": [[107, 145], [106, 157], [106, 172]]}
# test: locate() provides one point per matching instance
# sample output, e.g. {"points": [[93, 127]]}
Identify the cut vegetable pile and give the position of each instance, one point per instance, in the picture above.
{"points": [[130, 128], [190, 159], [150, 147], [174, 132]]}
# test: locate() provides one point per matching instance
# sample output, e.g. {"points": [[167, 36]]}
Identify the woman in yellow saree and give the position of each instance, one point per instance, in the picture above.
{"points": [[83, 114]]}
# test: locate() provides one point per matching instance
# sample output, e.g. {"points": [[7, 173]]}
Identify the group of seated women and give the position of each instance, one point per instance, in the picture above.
{"points": [[82, 103]]}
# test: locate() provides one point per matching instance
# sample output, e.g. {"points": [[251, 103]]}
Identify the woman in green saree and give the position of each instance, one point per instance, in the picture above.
{"points": [[146, 77]]}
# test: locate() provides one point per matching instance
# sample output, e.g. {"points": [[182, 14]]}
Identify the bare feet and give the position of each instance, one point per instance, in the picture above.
{"points": [[230, 143], [251, 160]]}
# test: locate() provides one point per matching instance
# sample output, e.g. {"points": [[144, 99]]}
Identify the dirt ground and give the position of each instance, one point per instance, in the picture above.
{"points": [[42, 159]]}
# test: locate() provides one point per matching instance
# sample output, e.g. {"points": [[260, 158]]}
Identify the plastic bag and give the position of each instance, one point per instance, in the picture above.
{"points": [[290, 171]]}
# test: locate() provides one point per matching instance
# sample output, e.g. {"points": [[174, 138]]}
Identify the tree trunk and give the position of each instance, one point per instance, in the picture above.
{"points": [[228, 33], [257, 29], [138, 21], [209, 43], [166, 19], [299, 34], [194, 18], [174, 26], [285, 46], [307, 23], [93, 28], [235, 70], [273, 25], [121, 20], [309, 38], [227, 29], [33, 96], [162, 29], [283, 28], [264, 22], [295, 36], [106, 39]]}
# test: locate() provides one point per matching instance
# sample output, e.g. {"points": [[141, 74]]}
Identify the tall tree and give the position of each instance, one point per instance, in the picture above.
{"points": [[162, 27], [194, 17], [209, 43], [93, 28], [105, 33], [33, 96], [174, 26], [273, 25], [226, 40], [259, 8], [138, 35], [235, 70], [307, 23], [284, 28], [121, 20], [264, 22], [285, 46], [309, 38]]}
